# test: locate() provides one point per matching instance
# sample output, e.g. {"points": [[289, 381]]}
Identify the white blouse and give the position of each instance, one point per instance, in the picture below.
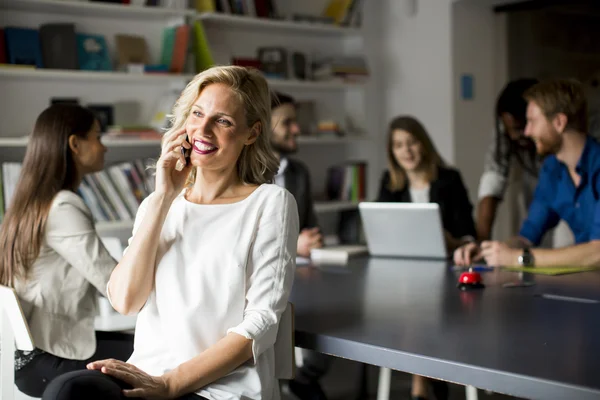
{"points": [[419, 195], [220, 268]]}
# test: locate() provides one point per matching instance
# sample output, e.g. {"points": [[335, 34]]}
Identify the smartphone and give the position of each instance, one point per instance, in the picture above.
{"points": [[186, 152]]}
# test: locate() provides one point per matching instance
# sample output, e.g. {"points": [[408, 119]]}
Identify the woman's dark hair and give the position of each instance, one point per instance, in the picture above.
{"points": [[48, 168], [512, 101]]}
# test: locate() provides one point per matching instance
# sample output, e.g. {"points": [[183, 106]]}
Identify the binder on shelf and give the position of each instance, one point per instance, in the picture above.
{"points": [[92, 52], [23, 46], [59, 46], [3, 59]]}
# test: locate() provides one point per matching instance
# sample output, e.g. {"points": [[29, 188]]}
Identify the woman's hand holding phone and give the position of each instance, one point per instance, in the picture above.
{"points": [[170, 180]]}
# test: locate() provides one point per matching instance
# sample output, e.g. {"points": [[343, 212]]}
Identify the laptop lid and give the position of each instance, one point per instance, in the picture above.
{"points": [[403, 229]]}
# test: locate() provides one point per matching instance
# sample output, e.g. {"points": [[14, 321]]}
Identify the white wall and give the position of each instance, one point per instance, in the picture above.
{"points": [[479, 50], [416, 67]]}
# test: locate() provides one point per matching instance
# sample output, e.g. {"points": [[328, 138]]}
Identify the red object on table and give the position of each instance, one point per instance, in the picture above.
{"points": [[470, 280]]}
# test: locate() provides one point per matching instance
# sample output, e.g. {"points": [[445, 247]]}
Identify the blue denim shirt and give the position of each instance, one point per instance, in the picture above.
{"points": [[556, 198]]}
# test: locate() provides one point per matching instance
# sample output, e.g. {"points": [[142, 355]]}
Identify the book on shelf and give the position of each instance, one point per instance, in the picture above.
{"points": [[202, 53], [59, 46], [23, 46], [344, 12], [347, 182], [92, 52], [113, 194]]}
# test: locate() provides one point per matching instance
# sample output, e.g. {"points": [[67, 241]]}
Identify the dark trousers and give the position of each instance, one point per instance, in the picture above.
{"points": [[91, 385], [314, 366], [33, 378]]}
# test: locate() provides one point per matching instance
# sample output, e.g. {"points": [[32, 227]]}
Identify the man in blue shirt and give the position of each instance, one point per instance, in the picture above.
{"points": [[568, 186]]}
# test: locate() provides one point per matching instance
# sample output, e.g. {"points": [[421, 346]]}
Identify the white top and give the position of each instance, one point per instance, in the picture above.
{"points": [[220, 269], [60, 296], [420, 195], [280, 177]]}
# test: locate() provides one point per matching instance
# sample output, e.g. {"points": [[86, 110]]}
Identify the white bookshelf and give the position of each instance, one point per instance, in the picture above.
{"points": [[289, 84], [48, 75], [114, 142], [35, 87], [124, 77], [21, 142], [273, 26], [84, 8], [12, 149]]}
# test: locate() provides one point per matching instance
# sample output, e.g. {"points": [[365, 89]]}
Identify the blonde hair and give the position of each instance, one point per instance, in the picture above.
{"points": [[431, 159], [257, 163]]}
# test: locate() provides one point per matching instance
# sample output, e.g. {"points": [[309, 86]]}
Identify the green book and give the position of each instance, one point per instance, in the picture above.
{"points": [[167, 45], [204, 58]]}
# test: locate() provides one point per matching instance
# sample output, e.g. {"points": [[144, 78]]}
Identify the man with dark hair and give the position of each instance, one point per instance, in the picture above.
{"points": [[509, 144], [294, 176], [568, 186]]}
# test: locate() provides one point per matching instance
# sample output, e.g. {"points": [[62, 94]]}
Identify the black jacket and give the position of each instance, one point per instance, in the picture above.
{"points": [[449, 191], [297, 182]]}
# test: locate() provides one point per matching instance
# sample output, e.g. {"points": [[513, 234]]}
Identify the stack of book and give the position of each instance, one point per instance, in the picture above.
{"points": [[347, 182], [341, 68], [113, 194]]}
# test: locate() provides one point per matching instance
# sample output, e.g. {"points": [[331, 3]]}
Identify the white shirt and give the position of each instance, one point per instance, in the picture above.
{"points": [[419, 195], [60, 295], [280, 177], [220, 268]]}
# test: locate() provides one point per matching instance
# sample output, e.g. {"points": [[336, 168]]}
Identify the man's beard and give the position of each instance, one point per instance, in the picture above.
{"points": [[549, 146], [282, 149]]}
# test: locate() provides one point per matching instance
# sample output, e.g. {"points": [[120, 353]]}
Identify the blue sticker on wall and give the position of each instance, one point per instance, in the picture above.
{"points": [[467, 87]]}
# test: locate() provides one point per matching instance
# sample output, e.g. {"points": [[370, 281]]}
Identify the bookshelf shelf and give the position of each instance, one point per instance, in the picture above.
{"points": [[285, 84], [310, 140], [275, 26], [334, 206], [108, 142], [88, 76], [81, 8]]}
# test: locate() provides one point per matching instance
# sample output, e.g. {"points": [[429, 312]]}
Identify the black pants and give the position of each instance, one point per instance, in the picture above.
{"points": [[91, 385], [314, 366], [33, 378]]}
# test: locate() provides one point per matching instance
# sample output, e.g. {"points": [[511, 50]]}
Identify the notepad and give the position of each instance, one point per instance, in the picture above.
{"points": [[552, 271], [337, 254]]}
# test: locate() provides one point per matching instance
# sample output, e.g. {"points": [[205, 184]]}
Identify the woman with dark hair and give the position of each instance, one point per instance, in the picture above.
{"points": [[416, 173], [51, 254], [509, 142]]}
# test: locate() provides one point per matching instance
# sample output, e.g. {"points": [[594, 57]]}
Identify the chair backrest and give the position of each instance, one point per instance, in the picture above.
{"points": [[12, 309], [285, 363], [13, 331]]}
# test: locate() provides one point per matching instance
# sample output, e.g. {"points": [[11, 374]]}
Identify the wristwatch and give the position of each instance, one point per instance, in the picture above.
{"points": [[526, 259]]}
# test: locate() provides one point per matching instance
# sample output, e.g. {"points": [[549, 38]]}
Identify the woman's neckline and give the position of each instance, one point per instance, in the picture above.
{"points": [[258, 188]]}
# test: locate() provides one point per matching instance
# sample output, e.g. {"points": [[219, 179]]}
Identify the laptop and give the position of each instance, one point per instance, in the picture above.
{"points": [[403, 229]]}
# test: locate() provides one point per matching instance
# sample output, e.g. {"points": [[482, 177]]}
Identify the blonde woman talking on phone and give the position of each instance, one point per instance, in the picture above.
{"points": [[210, 263]]}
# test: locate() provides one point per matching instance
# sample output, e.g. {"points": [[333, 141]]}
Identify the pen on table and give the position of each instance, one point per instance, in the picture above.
{"points": [[568, 298], [475, 268]]}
